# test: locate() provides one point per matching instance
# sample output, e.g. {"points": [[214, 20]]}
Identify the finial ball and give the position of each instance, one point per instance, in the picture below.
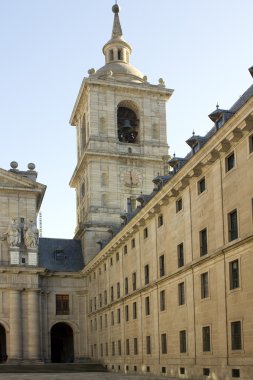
{"points": [[31, 166], [115, 8], [14, 164]]}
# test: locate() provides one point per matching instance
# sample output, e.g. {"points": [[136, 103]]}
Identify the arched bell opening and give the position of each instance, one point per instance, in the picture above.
{"points": [[128, 123], [3, 353], [62, 343]]}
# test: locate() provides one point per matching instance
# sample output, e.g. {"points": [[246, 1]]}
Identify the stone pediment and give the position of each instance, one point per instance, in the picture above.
{"points": [[11, 182], [17, 181]]}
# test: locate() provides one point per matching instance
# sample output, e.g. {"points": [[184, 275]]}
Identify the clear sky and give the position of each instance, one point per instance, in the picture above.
{"points": [[202, 49]]}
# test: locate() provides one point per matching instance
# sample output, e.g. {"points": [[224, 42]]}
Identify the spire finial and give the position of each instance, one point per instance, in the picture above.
{"points": [[116, 30], [217, 106]]}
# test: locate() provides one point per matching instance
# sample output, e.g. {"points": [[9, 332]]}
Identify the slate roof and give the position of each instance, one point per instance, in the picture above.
{"points": [[182, 161], [60, 255]]}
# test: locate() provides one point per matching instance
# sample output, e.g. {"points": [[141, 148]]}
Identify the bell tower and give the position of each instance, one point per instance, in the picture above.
{"points": [[120, 120]]}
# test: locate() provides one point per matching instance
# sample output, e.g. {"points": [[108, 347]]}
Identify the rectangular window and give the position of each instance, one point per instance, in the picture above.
{"points": [[145, 233], [201, 185], [179, 205], [134, 310], [232, 226], [111, 55], [118, 290], [182, 370], [251, 144], [111, 261], [206, 339], [126, 285], [181, 294], [119, 347], [160, 220], [234, 274], [162, 300], [112, 294], [164, 343], [162, 265], [180, 255], [148, 345], [118, 315], [106, 322], [203, 242], [206, 371], [133, 243], [95, 303], [62, 304], [95, 324], [204, 285], [146, 274], [127, 347], [182, 341], [117, 256], [101, 322], [134, 281], [135, 346], [125, 249], [236, 335], [100, 300], [105, 297], [112, 318], [147, 306], [236, 372], [126, 313], [230, 162], [101, 349], [113, 348], [90, 306]]}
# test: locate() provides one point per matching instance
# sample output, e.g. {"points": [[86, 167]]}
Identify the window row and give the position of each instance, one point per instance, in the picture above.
{"points": [[232, 222], [131, 345], [62, 301]]}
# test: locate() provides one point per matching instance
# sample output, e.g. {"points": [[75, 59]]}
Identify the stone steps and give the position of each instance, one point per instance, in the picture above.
{"points": [[52, 368]]}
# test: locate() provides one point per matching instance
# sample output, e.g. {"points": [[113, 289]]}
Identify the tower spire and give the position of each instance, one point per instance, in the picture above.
{"points": [[116, 29]]}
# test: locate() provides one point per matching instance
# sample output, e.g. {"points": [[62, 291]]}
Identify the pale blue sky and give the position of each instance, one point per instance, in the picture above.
{"points": [[202, 49]]}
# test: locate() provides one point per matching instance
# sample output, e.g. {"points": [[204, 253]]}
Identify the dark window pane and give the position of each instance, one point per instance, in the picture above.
{"points": [[206, 339], [236, 338]]}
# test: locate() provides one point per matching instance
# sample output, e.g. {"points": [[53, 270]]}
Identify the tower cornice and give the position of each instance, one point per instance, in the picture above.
{"points": [[148, 88]]}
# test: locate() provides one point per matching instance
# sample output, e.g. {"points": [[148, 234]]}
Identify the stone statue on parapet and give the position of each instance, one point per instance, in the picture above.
{"points": [[31, 235], [13, 235]]}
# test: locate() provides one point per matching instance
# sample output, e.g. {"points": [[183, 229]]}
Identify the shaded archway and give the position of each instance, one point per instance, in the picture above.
{"points": [[3, 354], [62, 343]]}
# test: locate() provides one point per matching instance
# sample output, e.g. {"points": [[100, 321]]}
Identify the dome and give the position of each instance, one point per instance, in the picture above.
{"points": [[120, 70]]}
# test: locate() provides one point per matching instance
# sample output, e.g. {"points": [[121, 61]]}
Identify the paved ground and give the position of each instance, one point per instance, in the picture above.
{"points": [[75, 376]]}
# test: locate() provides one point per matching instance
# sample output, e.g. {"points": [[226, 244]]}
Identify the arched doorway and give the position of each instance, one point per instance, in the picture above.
{"points": [[3, 354], [62, 343]]}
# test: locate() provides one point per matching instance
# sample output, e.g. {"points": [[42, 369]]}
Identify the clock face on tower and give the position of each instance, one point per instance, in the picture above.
{"points": [[131, 178]]}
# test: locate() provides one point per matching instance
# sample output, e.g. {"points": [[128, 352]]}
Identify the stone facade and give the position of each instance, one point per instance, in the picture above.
{"points": [[158, 282]]}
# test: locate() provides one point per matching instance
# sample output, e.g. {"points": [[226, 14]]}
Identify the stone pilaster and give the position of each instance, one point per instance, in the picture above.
{"points": [[15, 346], [34, 331]]}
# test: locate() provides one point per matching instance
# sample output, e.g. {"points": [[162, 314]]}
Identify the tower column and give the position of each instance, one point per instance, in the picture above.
{"points": [[15, 346], [34, 332]]}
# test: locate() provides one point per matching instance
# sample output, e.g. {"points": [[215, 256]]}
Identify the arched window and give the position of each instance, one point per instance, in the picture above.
{"points": [[127, 122]]}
